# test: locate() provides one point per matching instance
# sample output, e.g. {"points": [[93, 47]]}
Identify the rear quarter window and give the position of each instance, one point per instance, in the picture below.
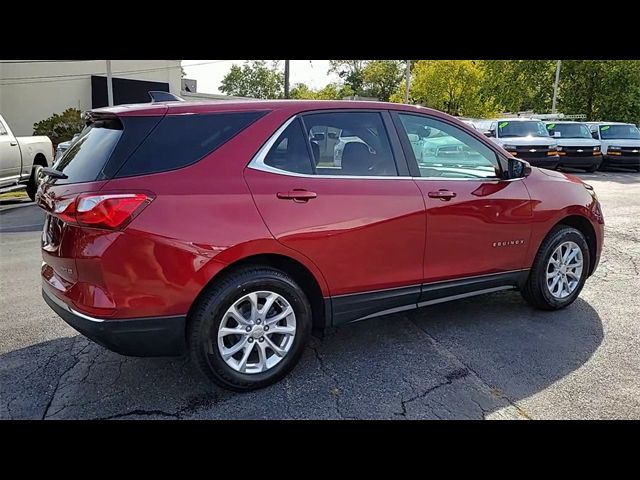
{"points": [[181, 140]]}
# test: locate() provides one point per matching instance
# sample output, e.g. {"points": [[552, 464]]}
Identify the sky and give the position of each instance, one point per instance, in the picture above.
{"points": [[209, 73]]}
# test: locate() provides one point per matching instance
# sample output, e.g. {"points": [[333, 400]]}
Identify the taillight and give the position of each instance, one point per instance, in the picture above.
{"points": [[112, 211]]}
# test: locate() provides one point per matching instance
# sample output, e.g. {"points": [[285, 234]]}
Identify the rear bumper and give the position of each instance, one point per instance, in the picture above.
{"points": [[139, 337], [628, 161], [580, 162]]}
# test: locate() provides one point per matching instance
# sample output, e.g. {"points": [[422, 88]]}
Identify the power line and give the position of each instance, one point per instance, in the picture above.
{"points": [[85, 75]]}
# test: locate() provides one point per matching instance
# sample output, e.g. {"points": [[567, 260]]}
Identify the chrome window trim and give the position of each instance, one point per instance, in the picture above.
{"points": [[257, 163]]}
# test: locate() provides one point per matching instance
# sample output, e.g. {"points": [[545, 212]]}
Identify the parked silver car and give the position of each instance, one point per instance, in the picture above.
{"points": [[64, 146]]}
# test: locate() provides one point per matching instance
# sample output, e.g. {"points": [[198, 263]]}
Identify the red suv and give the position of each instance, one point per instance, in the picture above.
{"points": [[232, 229]]}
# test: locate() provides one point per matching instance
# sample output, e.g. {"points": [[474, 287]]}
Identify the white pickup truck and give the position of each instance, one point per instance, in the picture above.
{"points": [[21, 159]]}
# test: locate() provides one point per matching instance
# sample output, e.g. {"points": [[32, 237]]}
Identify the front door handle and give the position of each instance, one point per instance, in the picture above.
{"points": [[442, 194], [13, 143], [297, 195]]}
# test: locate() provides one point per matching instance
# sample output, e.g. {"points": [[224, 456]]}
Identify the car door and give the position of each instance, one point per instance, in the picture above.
{"points": [[477, 223], [361, 223], [10, 158]]}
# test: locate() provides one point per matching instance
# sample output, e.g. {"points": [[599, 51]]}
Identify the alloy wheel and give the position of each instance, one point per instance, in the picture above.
{"points": [[564, 270], [256, 332]]}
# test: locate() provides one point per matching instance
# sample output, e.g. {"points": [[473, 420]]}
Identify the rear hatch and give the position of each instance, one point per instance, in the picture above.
{"points": [[84, 169], [87, 207]]}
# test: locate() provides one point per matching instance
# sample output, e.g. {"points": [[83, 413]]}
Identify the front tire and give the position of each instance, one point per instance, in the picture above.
{"points": [[249, 329], [559, 270], [32, 184]]}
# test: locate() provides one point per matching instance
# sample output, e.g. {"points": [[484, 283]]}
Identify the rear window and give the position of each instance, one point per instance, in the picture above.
{"points": [[84, 159], [181, 140], [129, 146]]}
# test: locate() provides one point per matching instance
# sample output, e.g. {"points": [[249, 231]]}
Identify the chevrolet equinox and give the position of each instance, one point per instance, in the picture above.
{"points": [[232, 230]]}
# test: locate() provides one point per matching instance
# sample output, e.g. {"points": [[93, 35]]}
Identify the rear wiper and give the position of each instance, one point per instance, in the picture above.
{"points": [[52, 172]]}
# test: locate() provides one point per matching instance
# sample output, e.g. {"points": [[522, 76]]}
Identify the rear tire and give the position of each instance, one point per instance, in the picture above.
{"points": [[540, 290], [256, 364]]}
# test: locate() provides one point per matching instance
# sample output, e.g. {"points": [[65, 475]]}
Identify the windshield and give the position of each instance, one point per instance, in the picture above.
{"points": [[630, 132], [522, 129], [570, 130]]}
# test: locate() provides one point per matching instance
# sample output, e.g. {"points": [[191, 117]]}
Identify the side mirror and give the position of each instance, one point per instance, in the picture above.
{"points": [[517, 168], [490, 133], [413, 138], [556, 134], [594, 134]]}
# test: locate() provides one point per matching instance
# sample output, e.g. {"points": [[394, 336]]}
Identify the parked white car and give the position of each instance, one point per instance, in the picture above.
{"points": [[22, 158], [620, 144]]}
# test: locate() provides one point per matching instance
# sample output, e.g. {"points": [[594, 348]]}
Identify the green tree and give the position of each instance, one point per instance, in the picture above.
{"points": [[451, 86], [602, 90], [381, 78], [60, 127], [332, 91], [518, 85], [254, 79], [350, 71]]}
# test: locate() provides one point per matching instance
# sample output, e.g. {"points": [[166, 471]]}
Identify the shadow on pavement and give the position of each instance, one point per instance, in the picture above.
{"points": [[469, 359], [21, 219]]}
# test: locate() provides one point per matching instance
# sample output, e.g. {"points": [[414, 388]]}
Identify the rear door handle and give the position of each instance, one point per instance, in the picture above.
{"points": [[442, 194], [297, 195]]}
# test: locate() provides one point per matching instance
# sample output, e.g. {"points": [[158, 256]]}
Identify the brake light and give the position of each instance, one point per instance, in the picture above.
{"points": [[112, 211]]}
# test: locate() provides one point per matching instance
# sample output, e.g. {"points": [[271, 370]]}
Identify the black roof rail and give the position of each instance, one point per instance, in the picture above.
{"points": [[160, 96]]}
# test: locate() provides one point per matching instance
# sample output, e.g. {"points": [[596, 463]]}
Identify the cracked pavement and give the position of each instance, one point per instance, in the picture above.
{"points": [[488, 357]]}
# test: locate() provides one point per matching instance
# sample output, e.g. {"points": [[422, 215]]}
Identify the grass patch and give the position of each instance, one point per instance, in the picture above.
{"points": [[18, 194]]}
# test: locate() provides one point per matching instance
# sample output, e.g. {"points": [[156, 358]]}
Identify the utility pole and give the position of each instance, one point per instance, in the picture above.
{"points": [[286, 79], [109, 84], [555, 87], [406, 81]]}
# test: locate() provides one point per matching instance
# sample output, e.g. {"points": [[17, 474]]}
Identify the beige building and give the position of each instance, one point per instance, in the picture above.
{"points": [[31, 91]]}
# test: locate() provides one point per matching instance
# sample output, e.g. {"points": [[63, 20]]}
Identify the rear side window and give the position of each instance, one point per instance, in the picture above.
{"points": [[181, 140], [85, 158], [290, 152]]}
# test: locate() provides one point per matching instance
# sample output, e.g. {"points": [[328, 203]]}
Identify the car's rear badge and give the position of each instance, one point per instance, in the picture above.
{"points": [[508, 243]]}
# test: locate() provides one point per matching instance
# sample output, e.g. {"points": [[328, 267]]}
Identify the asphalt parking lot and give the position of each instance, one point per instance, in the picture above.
{"points": [[487, 357]]}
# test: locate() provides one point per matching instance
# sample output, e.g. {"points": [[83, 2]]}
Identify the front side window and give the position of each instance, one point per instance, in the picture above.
{"points": [[2, 130], [521, 128], [629, 132], [443, 150], [349, 143]]}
